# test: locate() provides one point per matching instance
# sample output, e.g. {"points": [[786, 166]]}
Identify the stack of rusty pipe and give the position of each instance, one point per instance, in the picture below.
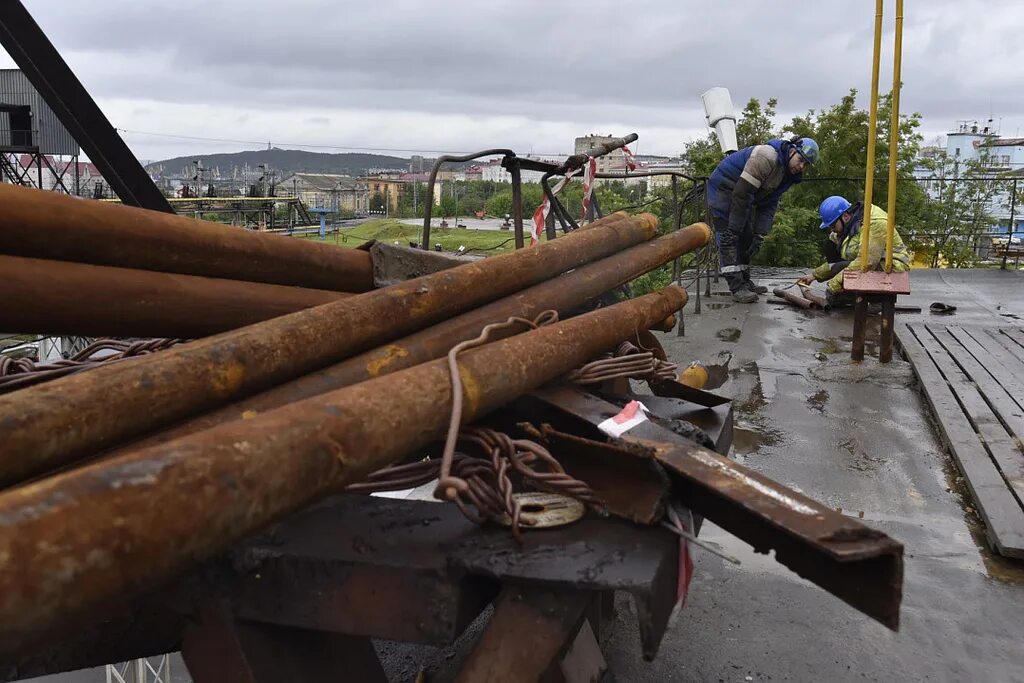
{"points": [[82, 267], [121, 477]]}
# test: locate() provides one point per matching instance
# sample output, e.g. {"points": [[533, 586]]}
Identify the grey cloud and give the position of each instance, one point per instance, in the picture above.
{"points": [[640, 64]]}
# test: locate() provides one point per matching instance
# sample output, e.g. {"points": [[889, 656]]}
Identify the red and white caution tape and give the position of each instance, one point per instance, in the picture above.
{"points": [[589, 170], [632, 414], [540, 216], [630, 159], [684, 527]]}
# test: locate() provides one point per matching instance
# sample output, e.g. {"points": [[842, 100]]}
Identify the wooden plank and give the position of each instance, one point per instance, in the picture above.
{"points": [[1004, 366], [1004, 518], [981, 398], [1013, 352], [1013, 339], [992, 365], [958, 368]]}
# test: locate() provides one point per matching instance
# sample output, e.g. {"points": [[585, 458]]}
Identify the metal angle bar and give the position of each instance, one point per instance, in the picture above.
{"points": [[50, 75], [861, 566]]}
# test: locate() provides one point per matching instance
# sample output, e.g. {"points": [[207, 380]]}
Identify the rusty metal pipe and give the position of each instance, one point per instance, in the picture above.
{"points": [[577, 160], [72, 543], [817, 299], [61, 297], [49, 225], [50, 424], [792, 298], [562, 294]]}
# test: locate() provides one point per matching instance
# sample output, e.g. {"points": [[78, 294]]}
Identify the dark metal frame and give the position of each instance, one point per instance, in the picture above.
{"points": [[573, 163], [517, 206], [514, 165], [36, 56]]}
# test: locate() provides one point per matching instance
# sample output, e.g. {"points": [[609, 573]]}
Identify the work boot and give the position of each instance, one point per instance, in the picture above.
{"points": [[744, 296], [756, 289]]}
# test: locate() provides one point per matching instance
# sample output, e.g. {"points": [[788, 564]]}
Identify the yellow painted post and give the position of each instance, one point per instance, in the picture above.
{"points": [[894, 137], [869, 178]]}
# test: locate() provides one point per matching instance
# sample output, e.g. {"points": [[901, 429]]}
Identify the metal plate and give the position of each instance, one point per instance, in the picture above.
{"points": [[876, 282], [545, 510]]}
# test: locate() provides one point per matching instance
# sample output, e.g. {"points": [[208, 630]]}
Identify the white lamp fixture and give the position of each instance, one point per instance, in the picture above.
{"points": [[720, 115]]}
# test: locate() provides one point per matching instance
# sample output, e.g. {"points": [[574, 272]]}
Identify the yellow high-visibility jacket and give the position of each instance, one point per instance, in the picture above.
{"points": [[849, 250]]}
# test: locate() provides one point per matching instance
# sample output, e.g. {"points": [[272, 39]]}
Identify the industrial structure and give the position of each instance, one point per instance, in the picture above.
{"points": [[36, 150]]}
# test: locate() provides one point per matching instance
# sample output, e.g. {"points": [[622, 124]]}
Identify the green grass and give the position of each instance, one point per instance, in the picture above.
{"points": [[450, 239]]}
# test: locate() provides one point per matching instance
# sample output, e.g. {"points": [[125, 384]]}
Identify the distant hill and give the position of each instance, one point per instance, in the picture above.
{"points": [[284, 161]]}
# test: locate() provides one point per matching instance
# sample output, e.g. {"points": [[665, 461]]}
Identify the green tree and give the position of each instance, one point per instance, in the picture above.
{"points": [[961, 215], [499, 204]]}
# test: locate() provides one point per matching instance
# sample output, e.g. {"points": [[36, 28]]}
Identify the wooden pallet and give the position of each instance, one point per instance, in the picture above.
{"points": [[973, 378]]}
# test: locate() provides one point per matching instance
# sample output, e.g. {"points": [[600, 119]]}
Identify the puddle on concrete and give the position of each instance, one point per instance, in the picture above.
{"points": [[755, 400], [750, 561], [997, 567], [729, 334], [870, 345], [748, 438], [818, 400], [716, 307], [827, 346], [895, 374], [860, 460]]}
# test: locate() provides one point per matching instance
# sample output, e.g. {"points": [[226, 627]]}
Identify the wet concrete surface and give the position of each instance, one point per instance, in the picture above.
{"points": [[857, 438]]}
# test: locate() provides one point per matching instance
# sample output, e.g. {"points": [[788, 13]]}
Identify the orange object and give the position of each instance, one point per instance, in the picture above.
{"points": [[695, 376]]}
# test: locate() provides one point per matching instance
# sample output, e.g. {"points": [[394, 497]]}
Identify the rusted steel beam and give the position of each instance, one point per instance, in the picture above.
{"points": [[792, 298], [73, 542], [530, 630], [860, 327], [859, 565], [219, 647], [562, 294], [51, 424], [885, 332], [49, 225], [61, 297]]}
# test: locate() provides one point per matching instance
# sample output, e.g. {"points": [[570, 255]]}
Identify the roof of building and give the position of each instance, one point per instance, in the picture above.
{"points": [[62, 167], [1007, 142], [324, 181]]}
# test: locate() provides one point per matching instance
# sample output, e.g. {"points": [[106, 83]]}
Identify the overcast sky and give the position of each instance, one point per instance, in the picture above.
{"points": [[452, 75]]}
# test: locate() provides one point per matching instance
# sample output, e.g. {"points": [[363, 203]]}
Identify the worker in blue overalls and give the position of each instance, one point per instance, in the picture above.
{"points": [[743, 194]]}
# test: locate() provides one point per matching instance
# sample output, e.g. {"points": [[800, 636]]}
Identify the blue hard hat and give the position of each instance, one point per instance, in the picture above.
{"points": [[831, 209], [808, 149]]}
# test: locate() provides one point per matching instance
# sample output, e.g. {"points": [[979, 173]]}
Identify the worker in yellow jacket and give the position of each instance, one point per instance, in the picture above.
{"points": [[843, 221]]}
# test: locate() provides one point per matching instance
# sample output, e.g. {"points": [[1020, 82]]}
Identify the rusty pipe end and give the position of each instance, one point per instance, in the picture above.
{"points": [[649, 222], [666, 325], [702, 227], [676, 295]]}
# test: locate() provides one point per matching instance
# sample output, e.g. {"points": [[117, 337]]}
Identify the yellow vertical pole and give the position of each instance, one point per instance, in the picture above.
{"points": [[869, 178], [894, 137]]}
